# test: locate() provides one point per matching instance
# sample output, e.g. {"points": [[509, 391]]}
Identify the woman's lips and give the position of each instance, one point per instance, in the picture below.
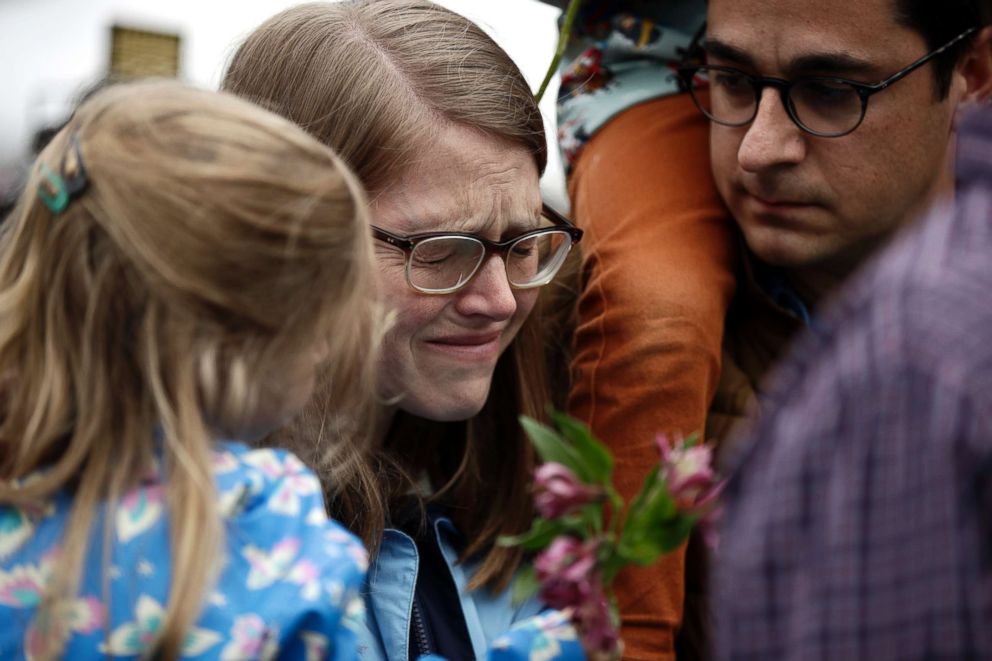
{"points": [[483, 346]]}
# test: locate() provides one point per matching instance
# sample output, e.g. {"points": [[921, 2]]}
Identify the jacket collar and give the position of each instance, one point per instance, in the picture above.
{"points": [[393, 579]]}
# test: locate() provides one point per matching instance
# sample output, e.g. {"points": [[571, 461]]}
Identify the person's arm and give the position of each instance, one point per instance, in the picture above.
{"points": [[658, 277]]}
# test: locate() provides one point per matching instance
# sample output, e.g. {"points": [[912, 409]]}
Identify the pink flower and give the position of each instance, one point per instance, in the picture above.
{"points": [[687, 470], [689, 477], [559, 492], [710, 510], [567, 572], [570, 580], [597, 625]]}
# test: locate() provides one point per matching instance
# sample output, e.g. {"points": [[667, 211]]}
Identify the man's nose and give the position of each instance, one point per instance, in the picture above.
{"points": [[772, 138]]}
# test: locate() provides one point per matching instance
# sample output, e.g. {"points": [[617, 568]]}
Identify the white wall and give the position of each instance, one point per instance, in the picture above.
{"points": [[51, 49]]}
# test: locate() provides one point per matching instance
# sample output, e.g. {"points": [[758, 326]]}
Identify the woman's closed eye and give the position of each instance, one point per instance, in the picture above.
{"points": [[435, 252], [524, 248]]}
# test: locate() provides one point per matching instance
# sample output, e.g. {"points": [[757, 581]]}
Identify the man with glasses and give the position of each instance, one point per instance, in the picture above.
{"points": [[832, 126], [858, 519], [874, 86]]}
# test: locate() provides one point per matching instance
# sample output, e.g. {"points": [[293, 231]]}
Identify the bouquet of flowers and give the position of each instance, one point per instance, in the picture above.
{"points": [[584, 533]]}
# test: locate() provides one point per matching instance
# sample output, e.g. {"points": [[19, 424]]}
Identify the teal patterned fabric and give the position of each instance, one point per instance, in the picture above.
{"points": [[621, 53]]}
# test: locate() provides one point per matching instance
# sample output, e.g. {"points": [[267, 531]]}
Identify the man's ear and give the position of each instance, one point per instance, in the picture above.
{"points": [[975, 68]]}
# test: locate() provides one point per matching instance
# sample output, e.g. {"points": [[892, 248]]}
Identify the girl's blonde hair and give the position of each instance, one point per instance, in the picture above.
{"points": [[377, 80], [214, 243]]}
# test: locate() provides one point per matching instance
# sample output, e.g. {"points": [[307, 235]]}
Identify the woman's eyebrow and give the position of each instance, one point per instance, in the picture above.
{"points": [[471, 225], [525, 223], [432, 221], [512, 226]]}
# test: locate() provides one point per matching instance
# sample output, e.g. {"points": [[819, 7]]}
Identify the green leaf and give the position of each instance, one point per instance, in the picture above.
{"points": [[595, 455], [673, 535], [525, 585], [666, 538], [641, 501], [659, 529], [551, 446], [541, 532], [653, 524], [644, 552], [657, 510], [612, 565]]}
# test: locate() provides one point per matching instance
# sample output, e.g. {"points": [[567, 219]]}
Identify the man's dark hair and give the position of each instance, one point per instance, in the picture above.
{"points": [[939, 22]]}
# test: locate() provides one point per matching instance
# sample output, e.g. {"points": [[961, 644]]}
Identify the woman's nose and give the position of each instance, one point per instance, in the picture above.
{"points": [[489, 292]]}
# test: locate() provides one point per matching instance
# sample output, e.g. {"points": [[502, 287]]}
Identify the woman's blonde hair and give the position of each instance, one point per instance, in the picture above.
{"points": [[377, 80], [214, 243]]}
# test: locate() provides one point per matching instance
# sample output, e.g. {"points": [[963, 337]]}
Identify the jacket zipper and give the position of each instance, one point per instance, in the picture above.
{"points": [[421, 639]]}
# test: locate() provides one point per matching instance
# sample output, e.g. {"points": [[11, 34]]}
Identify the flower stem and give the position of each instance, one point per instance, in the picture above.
{"points": [[563, 37], [617, 507]]}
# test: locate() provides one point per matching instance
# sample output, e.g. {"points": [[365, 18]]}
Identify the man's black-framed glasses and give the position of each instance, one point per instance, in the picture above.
{"points": [[444, 262], [825, 106]]}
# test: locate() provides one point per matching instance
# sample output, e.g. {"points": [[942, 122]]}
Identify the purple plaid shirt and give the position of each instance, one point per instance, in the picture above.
{"points": [[858, 520]]}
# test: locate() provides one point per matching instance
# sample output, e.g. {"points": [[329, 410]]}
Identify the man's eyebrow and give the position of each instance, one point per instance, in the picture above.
{"points": [[825, 63], [835, 63], [724, 51]]}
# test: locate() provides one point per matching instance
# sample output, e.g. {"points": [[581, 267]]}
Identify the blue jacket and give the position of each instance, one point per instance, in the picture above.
{"points": [[389, 595]]}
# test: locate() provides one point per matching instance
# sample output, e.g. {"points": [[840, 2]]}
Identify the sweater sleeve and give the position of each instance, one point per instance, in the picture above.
{"points": [[657, 280]]}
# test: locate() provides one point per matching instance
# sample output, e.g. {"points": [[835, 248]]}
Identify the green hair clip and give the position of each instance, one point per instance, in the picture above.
{"points": [[52, 190], [57, 190]]}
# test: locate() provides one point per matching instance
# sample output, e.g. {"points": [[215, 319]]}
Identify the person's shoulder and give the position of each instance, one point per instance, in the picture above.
{"points": [[928, 301], [286, 560], [937, 271], [263, 478], [268, 494]]}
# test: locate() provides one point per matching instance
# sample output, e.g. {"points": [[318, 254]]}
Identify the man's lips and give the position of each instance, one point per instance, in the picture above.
{"points": [[778, 203]]}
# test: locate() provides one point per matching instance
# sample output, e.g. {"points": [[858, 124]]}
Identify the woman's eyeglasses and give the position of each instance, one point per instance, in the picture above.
{"points": [[444, 262]]}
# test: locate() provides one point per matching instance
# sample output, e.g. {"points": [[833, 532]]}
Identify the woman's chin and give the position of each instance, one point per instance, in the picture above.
{"points": [[451, 408]]}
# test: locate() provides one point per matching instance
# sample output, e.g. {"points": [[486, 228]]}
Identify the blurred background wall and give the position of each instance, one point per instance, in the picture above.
{"points": [[53, 51]]}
